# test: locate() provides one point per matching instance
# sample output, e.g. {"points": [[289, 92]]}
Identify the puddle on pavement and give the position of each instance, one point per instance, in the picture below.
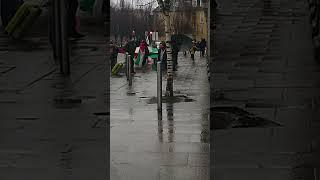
{"points": [[234, 117], [167, 99]]}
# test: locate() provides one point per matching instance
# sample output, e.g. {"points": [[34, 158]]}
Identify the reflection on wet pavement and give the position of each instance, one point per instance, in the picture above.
{"points": [[173, 144]]}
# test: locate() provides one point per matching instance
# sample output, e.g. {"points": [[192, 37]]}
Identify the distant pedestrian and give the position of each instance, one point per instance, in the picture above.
{"points": [[215, 4], [162, 55], [130, 47], [202, 46], [175, 51], [133, 35], [143, 54], [193, 50]]}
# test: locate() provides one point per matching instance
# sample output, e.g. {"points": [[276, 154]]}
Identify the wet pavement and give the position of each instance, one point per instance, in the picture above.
{"points": [[173, 145], [52, 127], [263, 65]]}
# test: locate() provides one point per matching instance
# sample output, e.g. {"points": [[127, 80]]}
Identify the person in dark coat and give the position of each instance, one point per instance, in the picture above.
{"points": [[202, 47], [162, 55], [175, 51], [8, 10], [130, 47]]}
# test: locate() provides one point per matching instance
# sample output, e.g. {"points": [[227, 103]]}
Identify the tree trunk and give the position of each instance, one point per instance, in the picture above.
{"points": [[169, 88]]}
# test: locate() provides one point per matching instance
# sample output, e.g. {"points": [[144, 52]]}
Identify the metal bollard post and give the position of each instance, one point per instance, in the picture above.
{"points": [[159, 86], [130, 70], [64, 38], [57, 33], [127, 66]]}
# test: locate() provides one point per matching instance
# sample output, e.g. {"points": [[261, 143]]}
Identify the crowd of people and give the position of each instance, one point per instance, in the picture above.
{"points": [[141, 58]]}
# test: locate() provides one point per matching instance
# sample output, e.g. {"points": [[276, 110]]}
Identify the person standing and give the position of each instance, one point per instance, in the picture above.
{"points": [[143, 53], [147, 37], [162, 55], [133, 35], [130, 47], [193, 50], [203, 45]]}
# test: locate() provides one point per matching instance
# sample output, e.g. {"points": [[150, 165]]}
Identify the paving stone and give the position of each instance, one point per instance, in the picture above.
{"points": [[153, 144], [277, 55]]}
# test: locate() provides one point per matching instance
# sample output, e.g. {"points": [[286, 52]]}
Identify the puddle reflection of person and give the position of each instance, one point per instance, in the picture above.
{"points": [[74, 20], [170, 118]]}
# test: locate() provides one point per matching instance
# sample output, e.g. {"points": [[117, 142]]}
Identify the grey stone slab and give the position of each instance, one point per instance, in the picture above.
{"points": [[261, 173], [184, 173]]}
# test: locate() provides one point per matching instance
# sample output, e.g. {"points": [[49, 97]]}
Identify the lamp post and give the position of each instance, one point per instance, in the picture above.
{"points": [[60, 42]]}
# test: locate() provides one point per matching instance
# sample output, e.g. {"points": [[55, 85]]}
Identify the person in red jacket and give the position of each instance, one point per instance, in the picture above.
{"points": [[144, 51]]}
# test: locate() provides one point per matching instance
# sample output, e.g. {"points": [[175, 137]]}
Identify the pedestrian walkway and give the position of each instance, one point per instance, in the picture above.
{"points": [[52, 127], [174, 146], [264, 64]]}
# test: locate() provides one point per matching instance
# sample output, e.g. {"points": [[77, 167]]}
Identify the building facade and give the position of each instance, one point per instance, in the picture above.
{"points": [[186, 17]]}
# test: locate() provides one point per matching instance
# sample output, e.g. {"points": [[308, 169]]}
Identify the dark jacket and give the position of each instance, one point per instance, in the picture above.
{"points": [[203, 44], [130, 48], [164, 60], [175, 48]]}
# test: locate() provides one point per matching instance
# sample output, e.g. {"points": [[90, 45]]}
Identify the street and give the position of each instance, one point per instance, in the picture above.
{"points": [[174, 146], [52, 127], [264, 64]]}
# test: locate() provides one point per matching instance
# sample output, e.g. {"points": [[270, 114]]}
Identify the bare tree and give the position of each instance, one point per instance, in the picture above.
{"points": [[124, 18], [165, 6]]}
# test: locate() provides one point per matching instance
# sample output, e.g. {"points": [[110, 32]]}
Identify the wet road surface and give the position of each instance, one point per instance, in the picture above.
{"points": [[173, 145], [264, 65], [46, 120]]}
